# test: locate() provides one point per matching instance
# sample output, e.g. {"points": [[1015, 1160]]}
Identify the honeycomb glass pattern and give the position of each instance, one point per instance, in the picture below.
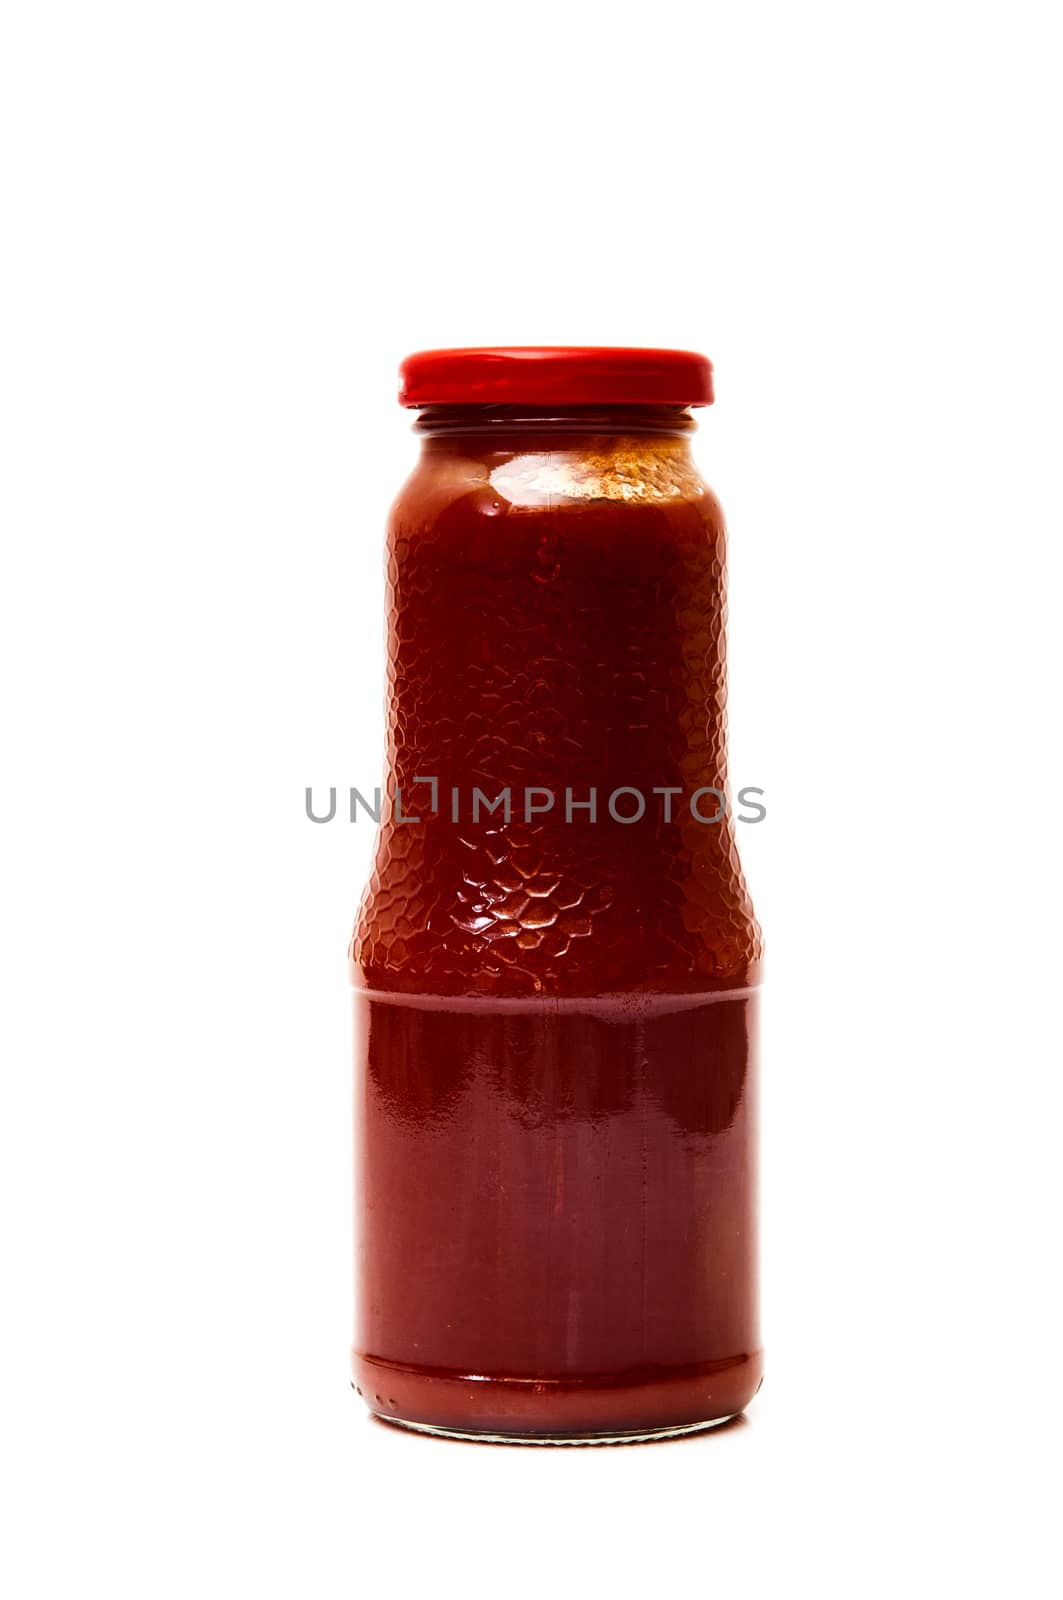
{"points": [[556, 616]]}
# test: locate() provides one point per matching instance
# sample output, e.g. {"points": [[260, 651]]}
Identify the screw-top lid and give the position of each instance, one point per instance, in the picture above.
{"points": [[562, 375]]}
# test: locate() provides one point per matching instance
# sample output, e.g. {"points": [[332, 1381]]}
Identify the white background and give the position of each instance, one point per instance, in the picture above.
{"points": [[224, 223]]}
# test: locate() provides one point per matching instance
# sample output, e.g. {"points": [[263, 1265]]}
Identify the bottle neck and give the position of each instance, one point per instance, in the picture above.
{"points": [[563, 424]]}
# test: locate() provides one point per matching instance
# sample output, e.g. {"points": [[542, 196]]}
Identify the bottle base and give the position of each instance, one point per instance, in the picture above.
{"points": [[477, 1436], [628, 1407]]}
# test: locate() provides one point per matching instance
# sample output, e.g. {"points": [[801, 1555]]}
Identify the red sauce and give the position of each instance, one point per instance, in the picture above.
{"points": [[555, 1102]]}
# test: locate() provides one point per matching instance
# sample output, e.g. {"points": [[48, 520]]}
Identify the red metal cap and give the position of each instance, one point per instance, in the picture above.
{"points": [[562, 375]]}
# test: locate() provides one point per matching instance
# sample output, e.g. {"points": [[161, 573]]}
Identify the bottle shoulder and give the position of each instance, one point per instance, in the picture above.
{"points": [[492, 484]]}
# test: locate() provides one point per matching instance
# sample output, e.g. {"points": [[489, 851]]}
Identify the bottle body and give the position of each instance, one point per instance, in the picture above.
{"points": [[555, 963]]}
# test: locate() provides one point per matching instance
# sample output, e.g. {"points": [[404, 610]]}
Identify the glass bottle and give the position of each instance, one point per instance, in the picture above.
{"points": [[556, 960]]}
